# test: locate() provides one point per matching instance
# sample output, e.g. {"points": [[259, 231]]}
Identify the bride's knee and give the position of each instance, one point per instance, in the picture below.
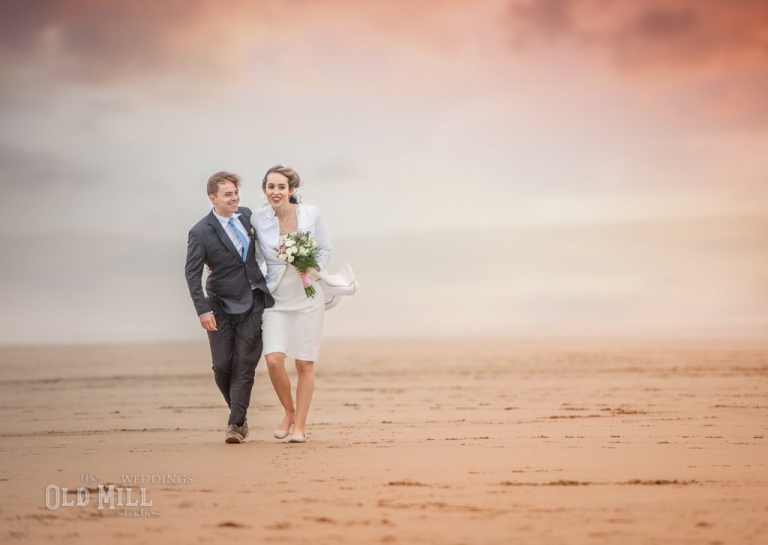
{"points": [[275, 361], [305, 366]]}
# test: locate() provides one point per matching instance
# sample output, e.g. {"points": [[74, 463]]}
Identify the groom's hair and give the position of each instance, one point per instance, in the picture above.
{"points": [[221, 178]]}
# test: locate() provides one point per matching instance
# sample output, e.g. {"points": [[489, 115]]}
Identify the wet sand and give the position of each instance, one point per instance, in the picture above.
{"points": [[409, 442]]}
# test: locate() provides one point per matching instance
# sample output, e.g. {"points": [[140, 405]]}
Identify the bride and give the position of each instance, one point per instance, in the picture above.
{"points": [[294, 326]]}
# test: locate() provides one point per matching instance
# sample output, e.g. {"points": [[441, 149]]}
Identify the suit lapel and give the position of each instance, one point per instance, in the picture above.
{"points": [[225, 240], [246, 221]]}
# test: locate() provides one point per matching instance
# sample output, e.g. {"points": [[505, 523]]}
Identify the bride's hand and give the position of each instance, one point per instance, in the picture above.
{"points": [[208, 270]]}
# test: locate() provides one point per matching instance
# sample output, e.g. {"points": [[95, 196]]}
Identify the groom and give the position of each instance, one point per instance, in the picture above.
{"points": [[237, 295]]}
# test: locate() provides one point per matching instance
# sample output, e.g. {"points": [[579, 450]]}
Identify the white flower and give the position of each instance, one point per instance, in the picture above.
{"points": [[290, 259], [303, 251], [290, 243], [282, 257]]}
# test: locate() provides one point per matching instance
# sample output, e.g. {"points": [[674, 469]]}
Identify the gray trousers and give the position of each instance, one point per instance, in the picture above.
{"points": [[235, 351]]}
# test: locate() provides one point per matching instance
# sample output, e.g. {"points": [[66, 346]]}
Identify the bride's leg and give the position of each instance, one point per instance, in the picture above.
{"points": [[282, 385], [304, 390]]}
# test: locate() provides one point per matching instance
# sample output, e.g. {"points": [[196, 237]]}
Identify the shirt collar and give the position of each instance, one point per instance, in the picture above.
{"points": [[224, 220]]}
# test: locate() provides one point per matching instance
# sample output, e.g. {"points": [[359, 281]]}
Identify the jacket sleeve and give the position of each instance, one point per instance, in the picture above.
{"points": [[193, 270], [323, 242]]}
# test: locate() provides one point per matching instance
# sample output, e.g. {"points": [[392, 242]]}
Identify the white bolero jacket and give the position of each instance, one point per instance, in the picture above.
{"points": [[268, 233]]}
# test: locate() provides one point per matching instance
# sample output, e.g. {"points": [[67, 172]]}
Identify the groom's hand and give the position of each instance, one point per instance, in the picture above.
{"points": [[208, 322]]}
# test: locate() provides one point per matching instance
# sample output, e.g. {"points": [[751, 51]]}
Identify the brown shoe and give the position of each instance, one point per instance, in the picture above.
{"points": [[233, 434]]}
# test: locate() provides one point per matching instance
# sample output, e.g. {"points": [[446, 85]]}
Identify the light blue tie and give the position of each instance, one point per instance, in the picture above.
{"points": [[241, 236]]}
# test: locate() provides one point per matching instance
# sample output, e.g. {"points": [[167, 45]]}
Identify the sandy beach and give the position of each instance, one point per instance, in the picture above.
{"points": [[409, 442]]}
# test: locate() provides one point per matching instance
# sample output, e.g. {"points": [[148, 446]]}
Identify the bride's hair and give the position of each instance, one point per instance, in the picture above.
{"points": [[293, 180]]}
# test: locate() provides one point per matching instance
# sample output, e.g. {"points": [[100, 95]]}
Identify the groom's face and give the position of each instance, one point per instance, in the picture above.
{"points": [[225, 202]]}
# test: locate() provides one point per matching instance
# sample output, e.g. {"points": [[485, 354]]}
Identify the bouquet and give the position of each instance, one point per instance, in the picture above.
{"points": [[300, 250]]}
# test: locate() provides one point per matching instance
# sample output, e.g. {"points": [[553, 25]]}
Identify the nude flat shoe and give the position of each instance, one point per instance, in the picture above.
{"points": [[295, 439], [279, 434]]}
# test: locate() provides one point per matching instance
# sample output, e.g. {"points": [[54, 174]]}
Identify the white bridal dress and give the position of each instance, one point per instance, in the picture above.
{"points": [[294, 326]]}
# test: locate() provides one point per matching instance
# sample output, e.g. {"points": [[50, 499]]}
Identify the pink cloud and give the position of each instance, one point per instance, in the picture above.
{"points": [[672, 34], [712, 55]]}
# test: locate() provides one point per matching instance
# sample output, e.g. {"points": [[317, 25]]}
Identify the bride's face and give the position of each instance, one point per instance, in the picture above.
{"points": [[277, 190]]}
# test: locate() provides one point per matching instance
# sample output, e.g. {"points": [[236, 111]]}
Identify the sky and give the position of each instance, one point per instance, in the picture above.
{"points": [[501, 168]]}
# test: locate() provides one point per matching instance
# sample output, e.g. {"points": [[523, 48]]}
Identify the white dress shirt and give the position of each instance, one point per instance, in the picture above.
{"points": [[228, 229]]}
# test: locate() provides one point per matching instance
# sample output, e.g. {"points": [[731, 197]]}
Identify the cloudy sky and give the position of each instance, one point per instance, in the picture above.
{"points": [[517, 167]]}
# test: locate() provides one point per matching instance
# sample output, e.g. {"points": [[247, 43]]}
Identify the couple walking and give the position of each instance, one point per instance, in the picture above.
{"points": [[245, 313]]}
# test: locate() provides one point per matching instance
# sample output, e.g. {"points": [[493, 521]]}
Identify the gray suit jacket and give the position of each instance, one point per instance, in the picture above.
{"points": [[233, 280]]}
